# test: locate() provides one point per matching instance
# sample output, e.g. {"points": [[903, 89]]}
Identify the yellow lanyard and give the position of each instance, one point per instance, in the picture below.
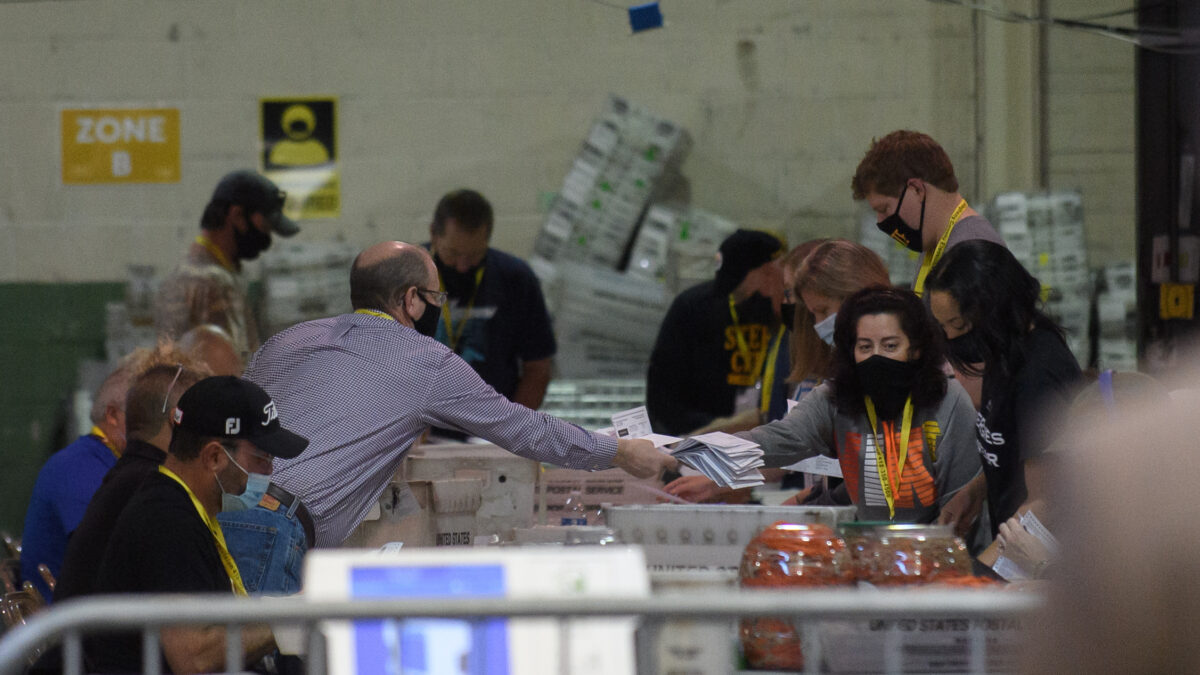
{"points": [[99, 433], [889, 491], [375, 312], [931, 260], [235, 579], [216, 252], [768, 377], [453, 337], [765, 361]]}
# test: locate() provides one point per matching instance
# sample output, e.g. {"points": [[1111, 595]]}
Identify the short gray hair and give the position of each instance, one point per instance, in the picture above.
{"points": [[383, 284], [111, 392]]}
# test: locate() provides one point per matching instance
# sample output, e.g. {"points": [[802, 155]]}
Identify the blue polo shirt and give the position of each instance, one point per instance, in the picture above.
{"points": [[60, 496]]}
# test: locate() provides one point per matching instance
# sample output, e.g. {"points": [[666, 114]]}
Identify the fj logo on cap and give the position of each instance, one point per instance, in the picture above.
{"points": [[233, 426], [269, 413]]}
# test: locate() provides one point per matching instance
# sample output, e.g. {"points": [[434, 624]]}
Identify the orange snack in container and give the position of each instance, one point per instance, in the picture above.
{"points": [[787, 555]]}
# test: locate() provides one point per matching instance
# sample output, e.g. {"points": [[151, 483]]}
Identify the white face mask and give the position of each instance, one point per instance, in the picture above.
{"points": [[825, 329]]}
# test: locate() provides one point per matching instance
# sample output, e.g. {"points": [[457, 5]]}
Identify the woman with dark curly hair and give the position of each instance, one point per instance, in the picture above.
{"points": [[903, 433], [988, 308]]}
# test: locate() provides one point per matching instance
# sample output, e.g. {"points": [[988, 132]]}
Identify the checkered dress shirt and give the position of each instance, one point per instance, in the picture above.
{"points": [[363, 389]]}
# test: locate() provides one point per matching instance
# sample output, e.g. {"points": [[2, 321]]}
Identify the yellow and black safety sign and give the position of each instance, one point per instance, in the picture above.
{"points": [[299, 153]]}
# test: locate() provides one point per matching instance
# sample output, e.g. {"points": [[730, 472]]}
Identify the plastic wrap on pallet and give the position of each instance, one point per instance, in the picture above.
{"points": [[616, 172], [303, 281], [1044, 232]]}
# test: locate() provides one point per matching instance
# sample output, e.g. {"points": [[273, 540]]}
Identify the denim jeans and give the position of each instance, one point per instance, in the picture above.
{"points": [[268, 547]]}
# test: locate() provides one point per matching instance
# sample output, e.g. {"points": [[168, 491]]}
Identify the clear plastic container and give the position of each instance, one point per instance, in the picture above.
{"points": [[887, 554], [787, 555], [574, 512]]}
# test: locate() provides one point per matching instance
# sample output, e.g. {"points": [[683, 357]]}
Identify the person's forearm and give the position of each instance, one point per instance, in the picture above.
{"points": [[977, 487]]}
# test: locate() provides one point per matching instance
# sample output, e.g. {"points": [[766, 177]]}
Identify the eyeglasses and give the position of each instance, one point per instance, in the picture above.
{"points": [[438, 298]]}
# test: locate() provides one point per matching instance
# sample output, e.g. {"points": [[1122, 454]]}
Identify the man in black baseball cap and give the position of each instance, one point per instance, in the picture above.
{"points": [[231, 408], [721, 344], [208, 288], [745, 252], [168, 540], [256, 194]]}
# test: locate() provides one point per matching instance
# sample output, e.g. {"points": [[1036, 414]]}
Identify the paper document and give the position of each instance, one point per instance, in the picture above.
{"points": [[820, 465], [632, 423], [635, 423], [1011, 570], [725, 459]]}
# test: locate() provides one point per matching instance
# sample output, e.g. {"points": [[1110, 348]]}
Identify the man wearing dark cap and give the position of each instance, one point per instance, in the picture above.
{"points": [[207, 287], [167, 539], [718, 346]]}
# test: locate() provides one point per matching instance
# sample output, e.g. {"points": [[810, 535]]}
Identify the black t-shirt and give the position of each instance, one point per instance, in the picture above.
{"points": [[159, 545], [87, 544], [697, 367], [508, 323], [1016, 419]]}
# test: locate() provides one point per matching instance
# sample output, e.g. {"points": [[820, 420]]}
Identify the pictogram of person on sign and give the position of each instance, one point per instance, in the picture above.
{"points": [[297, 133]]}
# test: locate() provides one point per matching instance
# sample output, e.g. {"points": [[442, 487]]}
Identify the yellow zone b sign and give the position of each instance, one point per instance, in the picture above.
{"points": [[120, 145]]}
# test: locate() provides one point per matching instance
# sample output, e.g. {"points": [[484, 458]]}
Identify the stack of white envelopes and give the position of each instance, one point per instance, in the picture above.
{"points": [[725, 459]]}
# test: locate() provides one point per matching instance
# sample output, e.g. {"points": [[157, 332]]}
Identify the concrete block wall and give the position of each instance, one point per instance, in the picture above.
{"points": [[782, 98], [1091, 130]]}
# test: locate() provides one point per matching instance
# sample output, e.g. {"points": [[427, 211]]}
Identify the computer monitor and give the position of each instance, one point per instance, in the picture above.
{"points": [[489, 646]]}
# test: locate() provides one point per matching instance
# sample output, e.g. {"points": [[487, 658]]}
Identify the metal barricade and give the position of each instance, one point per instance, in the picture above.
{"points": [[69, 622]]}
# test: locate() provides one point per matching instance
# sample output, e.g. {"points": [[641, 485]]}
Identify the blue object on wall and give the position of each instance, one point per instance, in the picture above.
{"points": [[645, 17]]}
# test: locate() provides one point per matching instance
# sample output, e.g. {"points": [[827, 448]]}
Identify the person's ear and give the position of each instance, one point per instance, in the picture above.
{"points": [[918, 187], [212, 456], [236, 215], [112, 415]]}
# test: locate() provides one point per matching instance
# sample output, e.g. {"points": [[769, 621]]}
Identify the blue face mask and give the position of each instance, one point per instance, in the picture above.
{"points": [[824, 328], [256, 487]]}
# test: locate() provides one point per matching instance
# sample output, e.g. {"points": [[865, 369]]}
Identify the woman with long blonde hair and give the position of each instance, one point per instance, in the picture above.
{"points": [[832, 272]]}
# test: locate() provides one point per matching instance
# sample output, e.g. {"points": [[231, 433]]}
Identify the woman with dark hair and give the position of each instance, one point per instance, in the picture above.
{"points": [[902, 433], [987, 306]]}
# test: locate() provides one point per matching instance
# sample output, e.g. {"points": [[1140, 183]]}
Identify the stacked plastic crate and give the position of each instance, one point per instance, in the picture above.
{"points": [[677, 245], [1045, 232], [628, 153], [605, 318], [303, 281]]}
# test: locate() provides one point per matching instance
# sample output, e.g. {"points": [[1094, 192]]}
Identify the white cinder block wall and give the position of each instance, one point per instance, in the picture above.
{"points": [[781, 96]]}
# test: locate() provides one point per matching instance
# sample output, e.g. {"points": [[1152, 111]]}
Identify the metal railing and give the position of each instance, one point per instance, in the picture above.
{"points": [[69, 622]]}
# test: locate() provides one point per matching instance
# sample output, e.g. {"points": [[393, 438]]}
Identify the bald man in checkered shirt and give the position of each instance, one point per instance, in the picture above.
{"points": [[363, 388]]}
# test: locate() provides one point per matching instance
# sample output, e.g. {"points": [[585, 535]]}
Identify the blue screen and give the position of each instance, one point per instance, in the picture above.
{"points": [[430, 646]]}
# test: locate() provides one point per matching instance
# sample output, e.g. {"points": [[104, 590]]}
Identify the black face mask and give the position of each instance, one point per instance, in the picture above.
{"points": [[787, 314], [427, 323], [895, 227], [251, 242], [756, 308], [967, 348], [888, 382], [458, 284]]}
